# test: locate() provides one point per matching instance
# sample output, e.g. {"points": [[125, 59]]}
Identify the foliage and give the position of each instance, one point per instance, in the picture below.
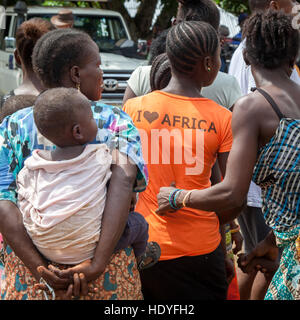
{"points": [[234, 6]]}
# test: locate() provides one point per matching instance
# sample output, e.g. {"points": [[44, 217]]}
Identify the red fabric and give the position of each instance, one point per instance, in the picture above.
{"points": [[233, 289]]}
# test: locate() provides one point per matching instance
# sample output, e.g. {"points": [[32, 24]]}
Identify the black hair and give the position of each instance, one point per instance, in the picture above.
{"points": [[160, 73], [188, 42], [27, 35], [55, 110], [158, 45], [224, 31], [271, 40], [56, 52], [15, 103], [255, 5], [199, 10]]}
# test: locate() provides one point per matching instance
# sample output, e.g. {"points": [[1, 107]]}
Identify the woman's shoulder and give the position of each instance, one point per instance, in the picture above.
{"points": [[142, 100], [21, 116], [109, 116], [251, 104], [104, 111]]}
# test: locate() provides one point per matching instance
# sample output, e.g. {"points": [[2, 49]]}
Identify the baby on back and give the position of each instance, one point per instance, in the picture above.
{"points": [[62, 192]]}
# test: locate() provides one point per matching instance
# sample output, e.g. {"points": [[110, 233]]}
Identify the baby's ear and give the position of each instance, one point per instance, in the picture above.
{"points": [[76, 132]]}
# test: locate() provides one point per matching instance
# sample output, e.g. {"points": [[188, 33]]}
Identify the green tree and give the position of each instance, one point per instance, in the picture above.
{"points": [[234, 6]]}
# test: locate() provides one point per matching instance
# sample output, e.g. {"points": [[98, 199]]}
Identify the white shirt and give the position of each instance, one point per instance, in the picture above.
{"points": [[242, 71], [225, 90]]}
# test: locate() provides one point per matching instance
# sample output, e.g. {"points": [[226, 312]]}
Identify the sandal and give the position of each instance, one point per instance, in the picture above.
{"points": [[150, 256]]}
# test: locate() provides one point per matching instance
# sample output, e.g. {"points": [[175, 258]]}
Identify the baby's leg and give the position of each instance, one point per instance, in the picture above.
{"points": [[135, 234]]}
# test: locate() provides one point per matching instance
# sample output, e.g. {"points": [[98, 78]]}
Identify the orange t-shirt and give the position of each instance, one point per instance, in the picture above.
{"points": [[181, 138]]}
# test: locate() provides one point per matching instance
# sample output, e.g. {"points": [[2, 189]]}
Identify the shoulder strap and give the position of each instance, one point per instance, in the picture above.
{"points": [[272, 103]]}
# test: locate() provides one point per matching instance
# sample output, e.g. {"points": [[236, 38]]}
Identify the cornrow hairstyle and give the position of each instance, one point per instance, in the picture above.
{"points": [[55, 109], [199, 10], [56, 52], [255, 5], [271, 40], [188, 42], [160, 73], [15, 103], [27, 35]]}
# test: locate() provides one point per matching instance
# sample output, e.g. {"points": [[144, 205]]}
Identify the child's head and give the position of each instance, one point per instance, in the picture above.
{"points": [[15, 103], [64, 116]]}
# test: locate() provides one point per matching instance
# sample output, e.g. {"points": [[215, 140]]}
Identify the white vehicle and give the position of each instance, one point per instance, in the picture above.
{"points": [[107, 28]]}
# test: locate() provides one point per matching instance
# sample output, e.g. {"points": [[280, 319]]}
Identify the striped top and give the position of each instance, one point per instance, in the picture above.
{"points": [[277, 172]]}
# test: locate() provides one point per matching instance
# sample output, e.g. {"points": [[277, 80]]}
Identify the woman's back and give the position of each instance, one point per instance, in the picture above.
{"points": [[180, 139]]}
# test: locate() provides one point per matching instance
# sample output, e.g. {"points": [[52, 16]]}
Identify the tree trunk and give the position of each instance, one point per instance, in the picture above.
{"points": [[118, 5], [144, 17], [164, 19]]}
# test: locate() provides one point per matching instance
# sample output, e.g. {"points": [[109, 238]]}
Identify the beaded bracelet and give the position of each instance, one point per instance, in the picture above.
{"points": [[235, 230], [175, 196], [172, 198]]}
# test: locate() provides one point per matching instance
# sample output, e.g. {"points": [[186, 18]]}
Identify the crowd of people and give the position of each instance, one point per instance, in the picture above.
{"points": [[190, 191]]}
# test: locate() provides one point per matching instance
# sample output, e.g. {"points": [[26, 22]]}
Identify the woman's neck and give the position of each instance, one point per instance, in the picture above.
{"points": [[183, 86], [66, 153], [264, 77], [31, 84]]}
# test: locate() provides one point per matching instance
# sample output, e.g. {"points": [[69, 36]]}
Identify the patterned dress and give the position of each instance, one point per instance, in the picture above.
{"points": [[277, 172], [18, 138]]}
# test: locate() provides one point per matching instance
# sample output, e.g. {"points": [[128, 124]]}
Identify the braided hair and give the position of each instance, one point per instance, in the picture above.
{"points": [[188, 42], [199, 10], [56, 52], [271, 41], [27, 35], [160, 73]]}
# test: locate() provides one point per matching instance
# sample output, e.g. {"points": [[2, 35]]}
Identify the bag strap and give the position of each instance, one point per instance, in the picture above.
{"points": [[272, 103]]}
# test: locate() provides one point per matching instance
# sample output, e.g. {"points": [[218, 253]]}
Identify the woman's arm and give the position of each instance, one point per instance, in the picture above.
{"points": [[232, 191], [15, 235], [129, 94], [116, 212], [11, 222]]}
